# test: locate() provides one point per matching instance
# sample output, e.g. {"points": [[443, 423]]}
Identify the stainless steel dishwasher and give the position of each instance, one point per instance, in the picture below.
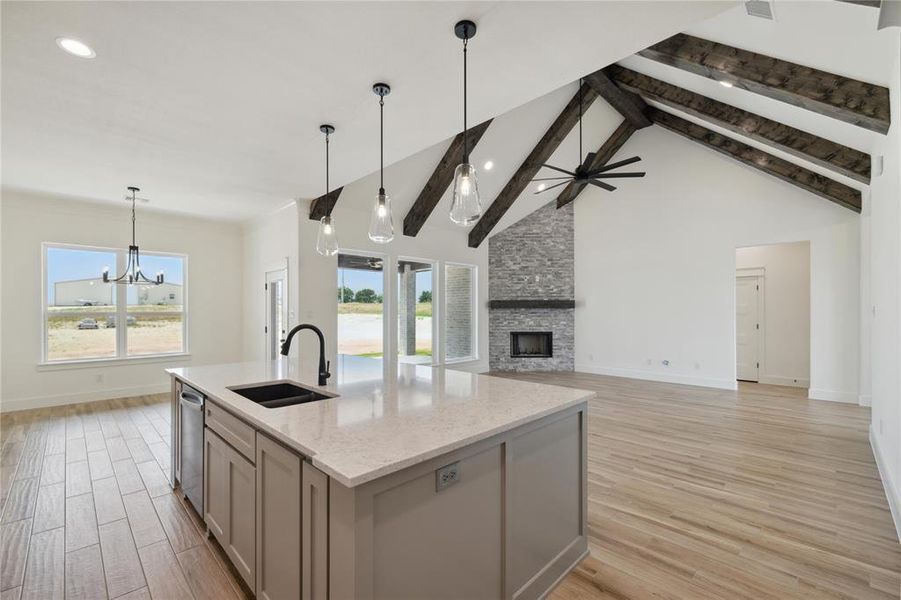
{"points": [[191, 412]]}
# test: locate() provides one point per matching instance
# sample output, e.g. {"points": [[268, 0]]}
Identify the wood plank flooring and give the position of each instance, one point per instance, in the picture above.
{"points": [[693, 493], [86, 510], [755, 494]]}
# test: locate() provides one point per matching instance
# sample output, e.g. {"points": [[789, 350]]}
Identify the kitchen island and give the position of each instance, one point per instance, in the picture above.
{"points": [[406, 481]]}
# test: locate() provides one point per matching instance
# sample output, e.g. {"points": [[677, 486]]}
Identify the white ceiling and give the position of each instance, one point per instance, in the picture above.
{"points": [[213, 107]]}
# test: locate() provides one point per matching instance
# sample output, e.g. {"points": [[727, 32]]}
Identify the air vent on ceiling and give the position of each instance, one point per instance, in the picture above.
{"points": [[760, 8]]}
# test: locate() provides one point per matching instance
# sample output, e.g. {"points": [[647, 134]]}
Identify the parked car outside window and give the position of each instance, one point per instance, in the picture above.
{"points": [[88, 324], [111, 321]]}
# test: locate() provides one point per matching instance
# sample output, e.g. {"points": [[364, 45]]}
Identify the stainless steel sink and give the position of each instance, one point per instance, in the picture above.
{"points": [[278, 394]]}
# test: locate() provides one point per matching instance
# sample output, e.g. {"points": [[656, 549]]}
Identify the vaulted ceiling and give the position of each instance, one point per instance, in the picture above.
{"points": [[213, 108], [806, 145]]}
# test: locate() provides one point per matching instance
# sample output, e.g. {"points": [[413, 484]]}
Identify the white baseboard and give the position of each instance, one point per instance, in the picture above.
{"points": [[78, 398], [724, 384], [787, 381], [832, 396], [892, 494], [865, 400]]}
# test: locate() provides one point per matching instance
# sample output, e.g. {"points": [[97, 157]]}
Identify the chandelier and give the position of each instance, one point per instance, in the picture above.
{"points": [[133, 274]]}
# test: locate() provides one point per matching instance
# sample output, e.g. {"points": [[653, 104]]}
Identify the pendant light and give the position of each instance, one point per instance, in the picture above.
{"points": [[327, 241], [133, 274], [381, 223], [466, 207]]}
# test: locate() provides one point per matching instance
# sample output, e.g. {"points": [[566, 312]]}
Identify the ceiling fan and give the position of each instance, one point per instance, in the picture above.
{"points": [[584, 174]]}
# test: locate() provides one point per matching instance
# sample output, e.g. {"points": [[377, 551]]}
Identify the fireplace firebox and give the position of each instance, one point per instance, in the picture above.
{"points": [[531, 344]]}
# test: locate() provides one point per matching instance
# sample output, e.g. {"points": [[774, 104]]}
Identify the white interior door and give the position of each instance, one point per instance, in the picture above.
{"points": [[747, 327], [276, 311]]}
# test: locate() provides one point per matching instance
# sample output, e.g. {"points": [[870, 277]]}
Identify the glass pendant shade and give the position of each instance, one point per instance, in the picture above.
{"points": [[381, 223], [466, 207], [327, 241]]}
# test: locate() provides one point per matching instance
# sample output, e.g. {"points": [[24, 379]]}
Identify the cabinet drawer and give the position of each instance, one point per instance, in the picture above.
{"points": [[233, 430]]}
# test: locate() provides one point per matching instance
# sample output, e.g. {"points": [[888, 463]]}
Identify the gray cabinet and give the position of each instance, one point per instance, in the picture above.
{"points": [[315, 533], [229, 512], [278, 521]]}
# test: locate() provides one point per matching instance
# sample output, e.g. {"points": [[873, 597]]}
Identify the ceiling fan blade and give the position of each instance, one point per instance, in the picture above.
{"points": [[550, 178], [575, 190], [552, 187], [559, 169], [630, 174], [615, 165], [601, 184]]}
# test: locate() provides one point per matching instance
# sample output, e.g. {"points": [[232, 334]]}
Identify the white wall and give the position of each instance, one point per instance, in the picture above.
{"points": [[269, 240], [655, 267], [884, 311], [214, 295], [786, 306]]}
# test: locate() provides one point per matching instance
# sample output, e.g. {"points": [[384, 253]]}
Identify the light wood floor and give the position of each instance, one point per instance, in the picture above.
{"points": [[87, 511], [701, 493], [693, 493]]}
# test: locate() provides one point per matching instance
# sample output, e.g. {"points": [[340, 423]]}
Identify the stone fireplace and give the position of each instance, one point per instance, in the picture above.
{"points": [[531, 288]]}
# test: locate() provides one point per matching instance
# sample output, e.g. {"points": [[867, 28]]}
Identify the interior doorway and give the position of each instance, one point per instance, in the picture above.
{"points": [[772, 314], [276, 288], [361, 305]]}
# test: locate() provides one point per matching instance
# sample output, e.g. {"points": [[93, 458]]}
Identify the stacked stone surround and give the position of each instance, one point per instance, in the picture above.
{"points": [[533, 260]]}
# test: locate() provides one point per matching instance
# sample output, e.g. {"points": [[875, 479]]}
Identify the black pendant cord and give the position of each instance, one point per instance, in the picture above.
{"points": [[381, 145], [329, 213], [580, 121], [465, 132]]}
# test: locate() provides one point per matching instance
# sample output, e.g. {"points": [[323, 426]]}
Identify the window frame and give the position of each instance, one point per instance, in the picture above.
{"points": [[474, 330], [121, 304]]}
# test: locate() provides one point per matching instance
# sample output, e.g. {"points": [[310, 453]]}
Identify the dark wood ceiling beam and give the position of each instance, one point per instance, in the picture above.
{"points": [[626, 103], [831, 155], [868, 3], [856, 102], [539, 155], [603, 156], [323, 205], [440, 180], [805, 179]]}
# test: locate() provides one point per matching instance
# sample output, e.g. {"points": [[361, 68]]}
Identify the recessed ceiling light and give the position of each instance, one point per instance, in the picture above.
{"points": [[725, 83], [541, 187], [489, 165], [75, 47]]}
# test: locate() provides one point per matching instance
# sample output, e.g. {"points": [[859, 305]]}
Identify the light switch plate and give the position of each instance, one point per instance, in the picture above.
{"points": [[447, 476]]}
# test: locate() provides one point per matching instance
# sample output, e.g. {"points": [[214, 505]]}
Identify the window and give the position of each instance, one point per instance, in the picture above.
{"points": [[82, 314], [459, 302]]}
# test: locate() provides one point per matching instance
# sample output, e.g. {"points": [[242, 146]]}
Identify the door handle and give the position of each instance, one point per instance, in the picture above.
{"points": [[191, 401]]}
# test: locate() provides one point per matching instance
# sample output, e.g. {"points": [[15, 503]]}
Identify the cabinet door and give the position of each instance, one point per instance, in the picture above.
{"points": [[215, 485], [242, 487], [230, 505], [315, 533], [279, 473]]}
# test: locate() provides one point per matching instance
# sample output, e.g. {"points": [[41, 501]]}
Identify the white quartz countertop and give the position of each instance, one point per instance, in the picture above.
{"points": [[384, 416]]}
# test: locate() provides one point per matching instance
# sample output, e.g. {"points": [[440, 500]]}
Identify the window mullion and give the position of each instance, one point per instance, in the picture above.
{"points": [[121, 308]]}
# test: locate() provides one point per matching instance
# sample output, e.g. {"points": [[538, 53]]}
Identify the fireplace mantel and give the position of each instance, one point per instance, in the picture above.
{"points": [[531, 304]]}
